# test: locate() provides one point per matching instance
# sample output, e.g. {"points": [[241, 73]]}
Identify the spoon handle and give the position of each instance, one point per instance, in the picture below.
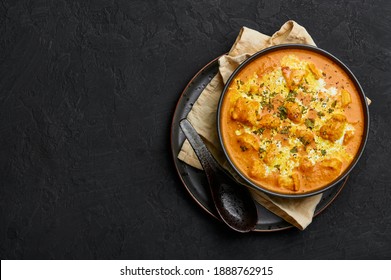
{"points": [[233, 203], [208, 163]]}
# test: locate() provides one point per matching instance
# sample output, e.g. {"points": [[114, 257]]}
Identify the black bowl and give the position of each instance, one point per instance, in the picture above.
{"points": [[364, 103]]}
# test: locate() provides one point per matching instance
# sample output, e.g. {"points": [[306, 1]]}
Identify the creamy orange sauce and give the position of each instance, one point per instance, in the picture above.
{"points": [[292, 121]]}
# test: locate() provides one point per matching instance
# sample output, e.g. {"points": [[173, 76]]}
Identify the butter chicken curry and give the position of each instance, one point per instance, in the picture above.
{"points": [[291, 121]]}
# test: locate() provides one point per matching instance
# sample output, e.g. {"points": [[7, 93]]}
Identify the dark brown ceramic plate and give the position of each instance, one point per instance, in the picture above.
{"points": [[195, 181]]}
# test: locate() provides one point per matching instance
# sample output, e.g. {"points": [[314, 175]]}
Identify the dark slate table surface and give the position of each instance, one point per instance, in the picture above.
{"points": [[87, 93]]}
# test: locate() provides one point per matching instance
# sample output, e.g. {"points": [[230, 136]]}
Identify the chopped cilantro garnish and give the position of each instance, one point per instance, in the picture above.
{"points": [[292, 93], [266, 103], [237, 84], [285, 130], [294, 150], [290, 99], [323, 152], [334, 104], [291, 96], [259, 131], [304, 141], [320, 114], [243, 148], [282, 112], [310, 123]]}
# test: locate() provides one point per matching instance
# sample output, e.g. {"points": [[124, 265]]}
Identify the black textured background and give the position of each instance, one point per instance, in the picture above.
{"points": [[87, 92]]}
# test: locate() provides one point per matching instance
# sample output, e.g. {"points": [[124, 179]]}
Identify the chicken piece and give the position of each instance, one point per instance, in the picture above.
{"points": [[263, 69], [330, 167], [296, 181], [289, 182], [305, 137], [345, 98], [286, 182], [293, 77], [268, 121], [245, 111], [306, 165], [248, 141], [271, 153], [257, 169], [294, 112], [334, 128], [348, 136], [316, 71]]}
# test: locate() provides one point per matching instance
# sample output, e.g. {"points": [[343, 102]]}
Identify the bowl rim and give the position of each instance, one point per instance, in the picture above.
{"points": [[364, 104]]}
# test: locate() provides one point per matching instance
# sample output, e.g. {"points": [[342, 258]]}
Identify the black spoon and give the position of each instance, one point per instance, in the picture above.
{"points": [[233, 202]]}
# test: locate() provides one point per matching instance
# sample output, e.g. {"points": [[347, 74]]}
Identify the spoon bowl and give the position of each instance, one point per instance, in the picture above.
{"points": [[233, 201]]}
